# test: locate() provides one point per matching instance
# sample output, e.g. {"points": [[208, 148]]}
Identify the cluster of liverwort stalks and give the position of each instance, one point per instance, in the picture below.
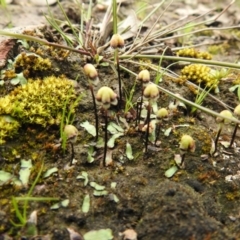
{"points": [[187, 143], [149, 96], [225, 121], [150, 92], [105, 95]]}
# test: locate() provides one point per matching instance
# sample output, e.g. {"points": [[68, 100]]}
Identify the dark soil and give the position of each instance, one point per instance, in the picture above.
{"points": [[200, 202]]}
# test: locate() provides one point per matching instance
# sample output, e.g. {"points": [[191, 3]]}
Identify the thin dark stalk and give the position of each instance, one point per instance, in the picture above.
{"points": [[183, 158], [119, 79], [73, 154], [137, 114], [140, 108], [148, 125], [216, 139], [234, 135], [105, 139], [157, 132], [95, 111]]}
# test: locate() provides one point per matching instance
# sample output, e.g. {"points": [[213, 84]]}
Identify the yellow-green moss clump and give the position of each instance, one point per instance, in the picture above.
{"points": [[8, 127], [39, 101], [236, 77], [200, 74], [30, 63], [219, 49], [194, 53], [144, 63]]}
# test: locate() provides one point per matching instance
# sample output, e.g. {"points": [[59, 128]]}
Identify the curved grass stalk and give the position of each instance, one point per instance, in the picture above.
{"points": [[42, 41], [174, 49], [184, 59], [196, 31], [114, 14], [192, 104], [37, 199]]}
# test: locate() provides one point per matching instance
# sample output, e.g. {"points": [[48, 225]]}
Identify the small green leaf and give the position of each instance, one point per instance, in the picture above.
{"points": [[55, 206], [117, 127], [144, 113], [238, 93], [111, 141], [124, 121], [104, 64], [102, 234], [114, 197], [5, 176], [167, 132], [89, 127], [233, 88], [65, 203], [100, 143], [90, 152], [225, 143], [15, 81], [97, 186], [19, 79], [25, 171], [100, 193], [24, 43], [129, 151], [112, 129], [171, 171], [155, 107], [86, 204], [113, 185], [84, 175], [50, 171]]}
